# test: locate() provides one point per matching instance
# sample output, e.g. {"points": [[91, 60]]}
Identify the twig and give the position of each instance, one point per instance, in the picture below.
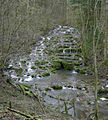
{"points": [[38, 99]]}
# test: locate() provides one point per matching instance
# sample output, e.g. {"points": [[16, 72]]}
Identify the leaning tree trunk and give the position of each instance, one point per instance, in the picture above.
{"points": [[95, 25]]}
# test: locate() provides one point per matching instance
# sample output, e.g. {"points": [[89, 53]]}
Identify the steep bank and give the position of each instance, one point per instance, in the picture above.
{"points": [[22, 103]]}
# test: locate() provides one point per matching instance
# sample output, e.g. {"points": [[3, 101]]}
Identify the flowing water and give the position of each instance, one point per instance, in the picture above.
{"points": [[76, 91]]}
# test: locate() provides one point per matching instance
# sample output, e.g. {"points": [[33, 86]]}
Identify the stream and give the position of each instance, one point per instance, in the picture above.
{"points": [[61, 88]]}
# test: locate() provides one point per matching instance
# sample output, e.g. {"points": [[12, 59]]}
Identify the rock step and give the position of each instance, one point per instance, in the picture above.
{"points": [[69, 50], [69, 55], [70, 43], [65, 57]]}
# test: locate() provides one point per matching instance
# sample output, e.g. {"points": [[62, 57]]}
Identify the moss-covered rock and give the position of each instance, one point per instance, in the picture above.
{"points": [[82, 71], [33, 76], [76, 64], [42, 67], [67, 66], [70, 50], [37, 62], [47, 89], [33, 67], [53, 70], [59, 50], [78, 55], [43, 62], [105, 63], [19, 71], [79, 50], [102, 91], [46, 74], [28, 74], [39, 75], [78, 87], [86, 88], [56, 87], [23, 62], [57, 65]]}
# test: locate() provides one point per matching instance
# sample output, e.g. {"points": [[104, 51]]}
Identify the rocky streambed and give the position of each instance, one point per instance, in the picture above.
{"points": [[55, 70]]}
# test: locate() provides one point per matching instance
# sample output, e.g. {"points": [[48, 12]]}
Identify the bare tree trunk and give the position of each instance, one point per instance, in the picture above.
{"points": [[96, 85], [67, 13], [95, 26], [105, 28]]}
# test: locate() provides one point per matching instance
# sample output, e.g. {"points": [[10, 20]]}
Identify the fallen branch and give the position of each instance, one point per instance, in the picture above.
{"points": [[18, 112], [36, 117]]}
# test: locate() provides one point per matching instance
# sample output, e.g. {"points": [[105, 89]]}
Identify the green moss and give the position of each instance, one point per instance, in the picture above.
{"points": [[53, 70], [70, 50], [23, 62], [86, 88], [10, 81], [42, 67], [39, 75], [46, 74], [78, 87], [105, 96], [19, 71], [74, 43], [60, 50], [47, 89], [79, 55], [79, 50], [23, 88], [88, 102], [105, 63], [82, 71], [28, 86], [27, 63], [65, 46], [43, 62], [28, 93], [29, 59], [83, 80], [67, 66], [35, 86], [33, 67], [76, 64], [28, 74], [57, 65], [26, 70], [33, 76], [37, 62], [38, 50], [102, 91], [56, 87]]}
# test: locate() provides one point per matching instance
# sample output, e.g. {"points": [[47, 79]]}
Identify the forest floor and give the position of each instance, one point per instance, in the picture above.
{"points": [[22, 103]]}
